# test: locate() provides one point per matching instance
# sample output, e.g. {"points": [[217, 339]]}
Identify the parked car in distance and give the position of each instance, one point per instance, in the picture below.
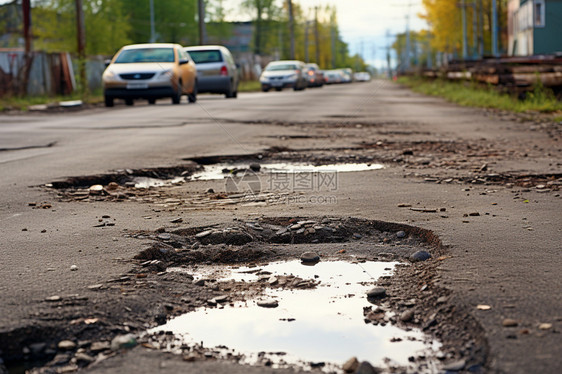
{"points": [[282, 74], [347, 75], [314, 76], [150, 71], [216, 69], [333, 76], [362, 76]]}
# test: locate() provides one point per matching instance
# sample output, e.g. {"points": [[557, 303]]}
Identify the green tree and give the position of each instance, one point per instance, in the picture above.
{"points": [[264, 12], [54, 26]]}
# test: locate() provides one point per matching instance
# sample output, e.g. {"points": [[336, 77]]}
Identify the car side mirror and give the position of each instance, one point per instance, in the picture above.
{"points": [[183, 62], [107, 62]]}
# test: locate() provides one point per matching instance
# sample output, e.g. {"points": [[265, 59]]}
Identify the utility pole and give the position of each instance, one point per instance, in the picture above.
{"points": [[481, 33], [26, 10], [494, 29], [306, 57], [388, 67], [81, 33], [407, 62], [316, 35], [474, 30], [464, 38], [334, 51], [201, 11], [291, 28], [152, 30]]}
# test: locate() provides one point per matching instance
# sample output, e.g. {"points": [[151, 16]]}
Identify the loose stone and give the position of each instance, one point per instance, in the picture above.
{"points": [[366, 368], [420, 256], [66, 345], [455, 366], [351, 365], [407, 316], [377, 292], [310, 257], [123, 341], [401, 234], [268, 304], [99, 346], [508, 322]]}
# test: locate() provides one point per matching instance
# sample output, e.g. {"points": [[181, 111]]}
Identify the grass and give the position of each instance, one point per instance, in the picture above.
{"points": [[474, 95], [249, 86], [23, 103]]}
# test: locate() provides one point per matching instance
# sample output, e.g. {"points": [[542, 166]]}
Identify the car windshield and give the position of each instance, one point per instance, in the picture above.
{"points": [[146, 55], [278, 67], [204, 57]]}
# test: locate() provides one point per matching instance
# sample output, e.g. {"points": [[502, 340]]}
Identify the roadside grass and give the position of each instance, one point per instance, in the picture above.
{"points": [[474, 95], [249, 86], [22, 103]]}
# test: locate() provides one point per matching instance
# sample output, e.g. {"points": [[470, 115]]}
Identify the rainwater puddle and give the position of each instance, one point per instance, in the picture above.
{"points": [[221, 171], [325, 324], [146, 182]]}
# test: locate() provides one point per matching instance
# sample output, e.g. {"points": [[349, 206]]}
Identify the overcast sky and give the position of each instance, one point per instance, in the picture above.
{"points": [[363, 23]]}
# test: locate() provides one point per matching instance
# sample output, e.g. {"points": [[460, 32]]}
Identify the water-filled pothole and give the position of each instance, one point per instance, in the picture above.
{"points": [[321, 326], [224, 170]]}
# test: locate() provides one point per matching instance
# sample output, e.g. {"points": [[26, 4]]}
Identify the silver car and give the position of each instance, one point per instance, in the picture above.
{"points": [[281, 74], [216, 70]]}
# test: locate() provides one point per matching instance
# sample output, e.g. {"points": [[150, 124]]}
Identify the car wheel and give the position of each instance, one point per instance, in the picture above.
{"points": [[264, 89], [176, 99], [278, 89], [152, 101], [235, 94], [229, 94], [108, 101], [129, 102], [192, 97]]}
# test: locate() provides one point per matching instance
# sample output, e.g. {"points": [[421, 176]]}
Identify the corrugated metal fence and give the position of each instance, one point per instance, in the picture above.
{"points": [[43, 74]]}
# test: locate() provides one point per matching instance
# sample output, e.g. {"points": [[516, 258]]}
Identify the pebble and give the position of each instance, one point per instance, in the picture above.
{"points": [[400, 234], [83, 357], [420, 256], [73, 268], [351, 365], [310, 257], [377, 292], [123, 342], [53, 298], [407, 316], [66, 345], [203, 234], [508, 322], [545, 326], [474, 214], [164, 236], [366, 368], [99, 346], [455, 366], [95, 286], [442, 300], [268, 304], [255, 167]]}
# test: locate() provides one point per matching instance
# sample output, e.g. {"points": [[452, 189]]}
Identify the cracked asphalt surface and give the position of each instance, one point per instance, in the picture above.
{"points": [[507, 256]]}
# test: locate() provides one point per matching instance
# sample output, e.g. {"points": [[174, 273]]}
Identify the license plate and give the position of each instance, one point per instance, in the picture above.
{"points": [[276, 84], [137, 86]]}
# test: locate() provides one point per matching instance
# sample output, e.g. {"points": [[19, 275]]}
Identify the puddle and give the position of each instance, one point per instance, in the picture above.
{"points": [[146, 182], [224, 170], [321, 325]]}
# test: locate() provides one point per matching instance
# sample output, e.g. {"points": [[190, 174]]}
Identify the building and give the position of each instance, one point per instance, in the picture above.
{"points": [[534, 27]]}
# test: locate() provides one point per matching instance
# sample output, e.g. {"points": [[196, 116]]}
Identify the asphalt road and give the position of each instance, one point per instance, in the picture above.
{"points": [[508, 259]]}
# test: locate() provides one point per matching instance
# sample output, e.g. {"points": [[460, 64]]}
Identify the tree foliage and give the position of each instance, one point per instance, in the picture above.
{"points": [[445, 20]]}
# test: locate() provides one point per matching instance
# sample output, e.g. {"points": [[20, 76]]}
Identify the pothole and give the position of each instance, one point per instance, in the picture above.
{"points": [[319, 325]]}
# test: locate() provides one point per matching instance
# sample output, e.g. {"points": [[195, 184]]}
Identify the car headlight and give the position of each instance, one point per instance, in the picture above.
{"points": [[292, 76], [109, 76], [167, 73], [264, 79]]}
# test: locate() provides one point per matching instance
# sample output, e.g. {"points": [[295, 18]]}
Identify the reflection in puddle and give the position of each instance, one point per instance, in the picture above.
{"points": [[325, 324], [220, 171]]}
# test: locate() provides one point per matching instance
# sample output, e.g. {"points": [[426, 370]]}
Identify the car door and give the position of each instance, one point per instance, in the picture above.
{"points": [[187, 71]]}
